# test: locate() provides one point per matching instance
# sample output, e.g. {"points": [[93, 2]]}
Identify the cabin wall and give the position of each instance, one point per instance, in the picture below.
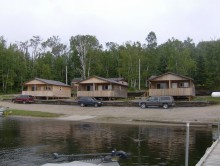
{"points": [[48, 91], [171, 85], [98, 87], [39, 87], [97, 90], [61, 91], [120, 91]]}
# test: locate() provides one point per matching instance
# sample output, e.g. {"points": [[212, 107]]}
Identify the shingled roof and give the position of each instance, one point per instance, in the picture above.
{"points": [[154, 77], [50, 82], [111, 80]]}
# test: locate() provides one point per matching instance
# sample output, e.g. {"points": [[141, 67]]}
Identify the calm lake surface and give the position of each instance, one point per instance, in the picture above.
{"points": [[31, 142]]}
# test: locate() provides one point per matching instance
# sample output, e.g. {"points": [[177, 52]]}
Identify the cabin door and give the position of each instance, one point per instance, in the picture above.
{"points": [[42, 88], [100, 88], [174, 85]]}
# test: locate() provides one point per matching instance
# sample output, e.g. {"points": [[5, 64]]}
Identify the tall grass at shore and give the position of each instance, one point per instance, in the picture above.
{"points": [[31, 113]]}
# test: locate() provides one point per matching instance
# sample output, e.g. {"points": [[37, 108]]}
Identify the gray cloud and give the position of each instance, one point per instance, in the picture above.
{"points": [[110, 20]]}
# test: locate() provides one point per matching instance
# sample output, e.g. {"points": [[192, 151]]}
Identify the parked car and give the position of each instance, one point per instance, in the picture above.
{"points": [[158, 101], [23, 99], [89, 101]]}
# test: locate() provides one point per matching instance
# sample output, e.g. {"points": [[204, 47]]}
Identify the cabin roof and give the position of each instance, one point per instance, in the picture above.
{"points": [[50, 82], [110, 80], [154, 77]]}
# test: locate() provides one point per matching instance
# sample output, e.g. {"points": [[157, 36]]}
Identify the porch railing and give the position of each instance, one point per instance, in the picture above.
{"points": [[172, 92], [105, 93]]}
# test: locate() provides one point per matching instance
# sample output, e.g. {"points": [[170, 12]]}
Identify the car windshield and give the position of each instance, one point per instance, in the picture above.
{"points": [[92, 99], [150, 99], [87, 98]]}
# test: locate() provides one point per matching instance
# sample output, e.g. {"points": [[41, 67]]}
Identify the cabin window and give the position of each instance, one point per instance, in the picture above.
{"points": [[96, 87], [184, 84], [48, 87], [33, 88], [60, 88], [89, 88], [107, 87], [161, 85]]}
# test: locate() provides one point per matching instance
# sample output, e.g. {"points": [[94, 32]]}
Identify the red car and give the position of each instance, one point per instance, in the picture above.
{"points": [[23, 99]]}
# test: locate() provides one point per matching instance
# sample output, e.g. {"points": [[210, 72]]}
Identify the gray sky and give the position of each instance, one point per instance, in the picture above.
{"points": [[110, 20]]}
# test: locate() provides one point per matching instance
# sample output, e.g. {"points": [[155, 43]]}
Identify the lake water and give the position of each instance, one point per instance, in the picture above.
{"points": [[31, 142]]}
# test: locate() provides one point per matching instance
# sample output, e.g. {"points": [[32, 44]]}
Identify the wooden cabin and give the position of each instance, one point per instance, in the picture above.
{"points": [[42, 88], [102, 87], [171, 84]]}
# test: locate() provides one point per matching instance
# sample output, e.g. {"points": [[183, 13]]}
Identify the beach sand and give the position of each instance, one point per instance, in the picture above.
{"points": [[126, 115]]}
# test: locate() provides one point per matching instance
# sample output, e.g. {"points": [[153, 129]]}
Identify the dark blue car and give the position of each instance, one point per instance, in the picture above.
{"points": [[89, 101]]}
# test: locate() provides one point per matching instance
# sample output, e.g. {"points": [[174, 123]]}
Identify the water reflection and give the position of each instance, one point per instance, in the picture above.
{"points": [[32, 141]]}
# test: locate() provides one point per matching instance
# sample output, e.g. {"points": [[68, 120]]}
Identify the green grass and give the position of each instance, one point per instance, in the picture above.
{"points": [[207, 98], [32, 113], [6, 97]]}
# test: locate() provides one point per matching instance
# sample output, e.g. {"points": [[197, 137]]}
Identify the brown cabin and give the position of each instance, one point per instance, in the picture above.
{"points": [[171, 84], [102, 87], [46, 88]]}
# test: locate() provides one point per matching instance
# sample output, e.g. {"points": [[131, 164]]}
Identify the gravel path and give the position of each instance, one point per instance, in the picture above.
{"points": [[127, 115]]}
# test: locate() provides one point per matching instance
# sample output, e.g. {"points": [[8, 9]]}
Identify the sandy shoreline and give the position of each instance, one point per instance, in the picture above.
{"points": [[127, 115]]}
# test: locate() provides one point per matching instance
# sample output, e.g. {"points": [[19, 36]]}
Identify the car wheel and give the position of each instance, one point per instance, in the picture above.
{"points": [[82, 105], [143, 106], [96, 105], [24, 102], [165, 106]]}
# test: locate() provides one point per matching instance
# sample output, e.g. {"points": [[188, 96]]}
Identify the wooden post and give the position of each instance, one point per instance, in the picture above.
{"points": [[187, 145]]}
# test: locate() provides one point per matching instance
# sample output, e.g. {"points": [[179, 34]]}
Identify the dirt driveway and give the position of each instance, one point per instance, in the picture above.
{"points": [[127, 115]]}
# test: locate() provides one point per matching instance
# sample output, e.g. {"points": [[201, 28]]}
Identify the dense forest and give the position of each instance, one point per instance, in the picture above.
{"points": [[85, 56]]}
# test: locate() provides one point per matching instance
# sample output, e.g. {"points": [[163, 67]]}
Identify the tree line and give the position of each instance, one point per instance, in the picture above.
{"points": [[85, 56]]}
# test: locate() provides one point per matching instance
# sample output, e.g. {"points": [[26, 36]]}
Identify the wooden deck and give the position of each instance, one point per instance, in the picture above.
{"points": [[103, 93], [211, 157], [172, 92]]}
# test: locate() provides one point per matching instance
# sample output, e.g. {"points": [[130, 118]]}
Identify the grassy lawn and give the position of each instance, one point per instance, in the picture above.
{"points": [[7, 97], [207, 98], [32, 113]]}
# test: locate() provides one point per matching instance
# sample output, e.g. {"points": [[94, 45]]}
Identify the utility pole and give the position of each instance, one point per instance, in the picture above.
{"points": [[66, 75], [187, 145], [139, 74]]}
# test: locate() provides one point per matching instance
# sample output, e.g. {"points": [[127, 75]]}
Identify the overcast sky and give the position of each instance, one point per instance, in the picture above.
{"points": [[110, 20]]}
